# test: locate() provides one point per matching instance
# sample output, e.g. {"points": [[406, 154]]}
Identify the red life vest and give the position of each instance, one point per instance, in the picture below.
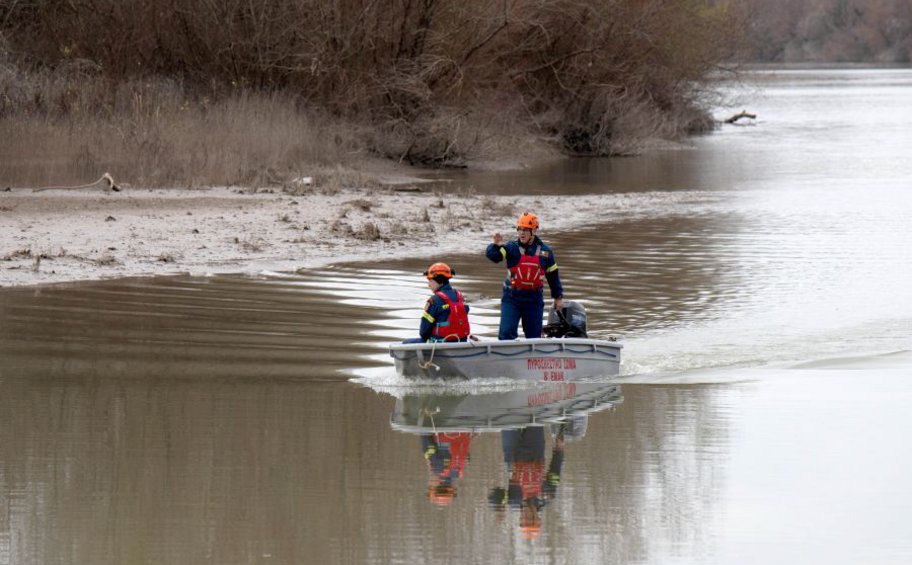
{"points": [[458, 446], [528, 273], [457, 324], [529, 475]]}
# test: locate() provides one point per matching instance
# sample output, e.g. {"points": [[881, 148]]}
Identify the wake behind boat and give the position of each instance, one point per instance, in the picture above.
{"points": [[538, 359]]}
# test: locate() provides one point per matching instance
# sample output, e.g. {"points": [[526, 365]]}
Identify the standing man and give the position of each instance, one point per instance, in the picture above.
{"points": [[529, 263]]}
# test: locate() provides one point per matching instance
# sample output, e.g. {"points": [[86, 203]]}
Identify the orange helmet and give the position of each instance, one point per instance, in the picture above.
{"points": [[530, 532], [441, 495], [528, 221], [439, 269], [529, 525], [529, 521]]}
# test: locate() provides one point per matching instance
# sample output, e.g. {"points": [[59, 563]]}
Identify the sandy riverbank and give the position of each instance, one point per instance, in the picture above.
{"points": [[69, 235], [57, 236]]}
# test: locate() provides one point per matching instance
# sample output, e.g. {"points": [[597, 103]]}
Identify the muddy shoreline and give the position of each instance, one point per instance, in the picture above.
{"points": [[60, 236]]}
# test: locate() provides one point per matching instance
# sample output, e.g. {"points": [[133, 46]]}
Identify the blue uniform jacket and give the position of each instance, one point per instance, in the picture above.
{"points": [[436, 311], [511, 251]]}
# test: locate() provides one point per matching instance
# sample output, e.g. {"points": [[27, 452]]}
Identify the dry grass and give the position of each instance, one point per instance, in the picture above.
{"points": [[67, 128], [153, 135]]}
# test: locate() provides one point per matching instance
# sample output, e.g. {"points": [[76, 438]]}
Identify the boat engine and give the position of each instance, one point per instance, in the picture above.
{"points": [[569, 321], [572, 429]]}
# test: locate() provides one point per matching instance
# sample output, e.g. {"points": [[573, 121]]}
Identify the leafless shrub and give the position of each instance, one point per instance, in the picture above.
{"points": [[25, 253], [361, 204], [256, 86], [251, 243], [368, 232], [496, 208], [108, 260], [398, 228], [340, 227], [830, 30], [455, 218]]}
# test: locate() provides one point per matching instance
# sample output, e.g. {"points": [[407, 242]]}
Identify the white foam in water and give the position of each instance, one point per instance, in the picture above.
{"points": [[385, 380], [721, 347]]}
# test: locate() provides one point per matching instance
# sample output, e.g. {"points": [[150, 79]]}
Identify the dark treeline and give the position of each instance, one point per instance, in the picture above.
{"points": [[837, 31], [592, 76]]}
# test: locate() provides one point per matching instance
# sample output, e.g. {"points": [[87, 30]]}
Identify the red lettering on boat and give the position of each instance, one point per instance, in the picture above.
{"points": [[562, 392], [544, 363]]}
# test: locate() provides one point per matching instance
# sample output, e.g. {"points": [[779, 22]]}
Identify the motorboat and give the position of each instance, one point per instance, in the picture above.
{"points": [[564, 353], [537, 359]]}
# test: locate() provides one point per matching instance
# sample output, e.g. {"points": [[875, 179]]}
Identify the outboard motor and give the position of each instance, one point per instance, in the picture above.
{"points": [[572, 429], [570, 321]]}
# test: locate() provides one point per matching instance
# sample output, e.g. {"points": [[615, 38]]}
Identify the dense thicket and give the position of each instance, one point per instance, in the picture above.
{"points": [[831, 30], [594, 75]]}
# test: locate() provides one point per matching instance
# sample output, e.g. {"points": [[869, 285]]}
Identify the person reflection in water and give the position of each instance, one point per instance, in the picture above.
{"points": [[446, 455], [530, 486]]}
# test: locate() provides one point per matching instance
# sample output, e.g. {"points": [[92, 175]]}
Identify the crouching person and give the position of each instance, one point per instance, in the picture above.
{"points": [[446, 315]]}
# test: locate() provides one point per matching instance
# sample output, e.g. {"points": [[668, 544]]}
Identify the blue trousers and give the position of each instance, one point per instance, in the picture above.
{"points": [[526, 444], [528, 309]]}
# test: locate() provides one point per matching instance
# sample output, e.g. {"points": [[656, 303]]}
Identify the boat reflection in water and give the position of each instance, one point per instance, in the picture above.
{"points": [[448, 423], [547, 403]]}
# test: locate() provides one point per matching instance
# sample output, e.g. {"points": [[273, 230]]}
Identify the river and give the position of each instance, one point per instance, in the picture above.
{"points": [[761, 290]]}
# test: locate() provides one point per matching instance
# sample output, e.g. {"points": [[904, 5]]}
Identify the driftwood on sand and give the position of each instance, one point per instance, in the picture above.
{"points": [[106, 178], [738, 116]]}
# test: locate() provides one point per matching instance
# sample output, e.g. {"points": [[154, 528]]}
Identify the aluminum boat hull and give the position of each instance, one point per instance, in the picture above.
{"points": [[535, 360]]}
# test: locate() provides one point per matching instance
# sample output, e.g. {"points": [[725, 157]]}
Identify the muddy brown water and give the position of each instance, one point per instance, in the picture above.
{"points": [[760, 417]]}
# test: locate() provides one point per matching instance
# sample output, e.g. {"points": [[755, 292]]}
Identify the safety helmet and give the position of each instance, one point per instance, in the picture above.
{"points": [[531, 531], [528, 221], [441, 495], [441, 269], [530, 526]]}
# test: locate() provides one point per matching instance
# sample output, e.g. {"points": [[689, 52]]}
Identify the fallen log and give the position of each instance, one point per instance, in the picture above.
{"points": [[742, 114], [105, 178]]}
